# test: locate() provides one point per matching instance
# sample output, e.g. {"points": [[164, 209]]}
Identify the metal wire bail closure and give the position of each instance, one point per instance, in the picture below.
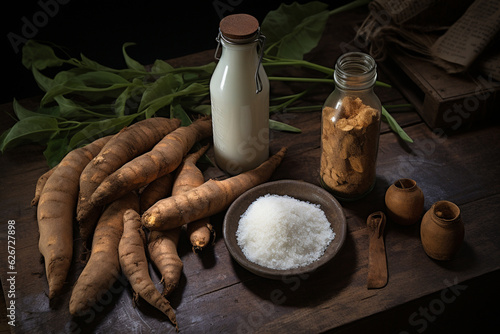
{"points": [[260, 39], [218, 39]]}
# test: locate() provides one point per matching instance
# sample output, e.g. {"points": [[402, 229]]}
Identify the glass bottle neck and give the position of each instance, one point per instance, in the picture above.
{"points": [[251, 47], [229, 44], [250, 53], [355, 71]]}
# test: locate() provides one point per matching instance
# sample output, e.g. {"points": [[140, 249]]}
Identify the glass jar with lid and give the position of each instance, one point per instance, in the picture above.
{"points": [[239, 93], [350, 129]]}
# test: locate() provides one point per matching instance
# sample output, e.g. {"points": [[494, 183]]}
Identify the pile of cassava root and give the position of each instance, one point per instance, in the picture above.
{"points": [[130, 192]]}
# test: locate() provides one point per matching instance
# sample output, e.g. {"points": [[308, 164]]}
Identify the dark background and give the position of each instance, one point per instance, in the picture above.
{"points": [[98, 29]]}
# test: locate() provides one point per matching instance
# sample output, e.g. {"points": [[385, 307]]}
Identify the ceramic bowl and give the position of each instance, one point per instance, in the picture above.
{"points": [[302, 191]]}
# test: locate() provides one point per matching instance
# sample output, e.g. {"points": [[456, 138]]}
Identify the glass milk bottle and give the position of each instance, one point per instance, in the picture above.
{"points": [[350, 129], [239, 93]]}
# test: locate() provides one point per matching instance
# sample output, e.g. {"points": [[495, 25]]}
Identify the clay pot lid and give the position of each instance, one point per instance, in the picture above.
{"points": [[239, 26]]}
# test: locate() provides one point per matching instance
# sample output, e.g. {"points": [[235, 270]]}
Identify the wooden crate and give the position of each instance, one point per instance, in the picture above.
{"points": [[443, 101]]}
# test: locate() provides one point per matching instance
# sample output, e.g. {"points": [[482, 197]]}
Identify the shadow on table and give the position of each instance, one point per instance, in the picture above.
{"points": [[464, 259], [312, 288]]}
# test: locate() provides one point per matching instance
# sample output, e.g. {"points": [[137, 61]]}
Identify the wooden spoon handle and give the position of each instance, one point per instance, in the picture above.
{"points": [[377, 259], [377, 264]]}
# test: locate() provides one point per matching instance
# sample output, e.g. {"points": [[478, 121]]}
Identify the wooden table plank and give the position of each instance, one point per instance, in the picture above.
{"points": [[217, 295], [225, 283]]}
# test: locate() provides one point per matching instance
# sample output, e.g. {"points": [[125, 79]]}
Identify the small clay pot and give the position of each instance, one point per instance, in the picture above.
{"points": [[442, 230], [404, 201]]}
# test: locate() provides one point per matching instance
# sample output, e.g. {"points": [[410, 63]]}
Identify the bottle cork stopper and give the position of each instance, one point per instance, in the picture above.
{"points": [[239, 26]]}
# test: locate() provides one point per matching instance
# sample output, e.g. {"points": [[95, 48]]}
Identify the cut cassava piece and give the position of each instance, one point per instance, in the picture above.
{"points": [[133, 262], [188, 177], [161, 160], [209, 198], [103, 268], [127, 144], [55, 213]]}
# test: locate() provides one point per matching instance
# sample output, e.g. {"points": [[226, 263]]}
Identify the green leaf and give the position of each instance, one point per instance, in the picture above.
{"points": [[93, 65], [293, 30], [69, 109], [386, 117], [72, 110], [194, 89], [131, 63], [56, 150], [190, 74], [67, 75], [161, 67], [159, 89], [23, 113], [39, 56], [204, 109], [128, 101], [157, 104], [3, 135], [99, 129], [35, 129], [176, 111], [126, 73], [44, 82], [96, 81], [276, 125]]}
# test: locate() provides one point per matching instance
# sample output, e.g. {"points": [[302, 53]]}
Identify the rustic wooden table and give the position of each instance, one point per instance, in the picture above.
{"points": [[216, 295]]}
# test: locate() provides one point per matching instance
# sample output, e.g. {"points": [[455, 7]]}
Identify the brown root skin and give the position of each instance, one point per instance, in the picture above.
{"points": [[201, 234], [134, 264], [124, 146], [188, 177], [162, 248], [156, 190], [103, 267], [55, 213], [208, 199], [40, 184], [87, 225], [162, 245], [164, 158]]}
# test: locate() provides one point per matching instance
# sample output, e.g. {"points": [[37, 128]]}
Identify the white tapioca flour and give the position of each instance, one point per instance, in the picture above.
{"points": [[281, 232]]}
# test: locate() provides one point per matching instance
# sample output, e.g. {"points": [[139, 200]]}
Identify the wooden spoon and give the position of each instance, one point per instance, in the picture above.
{"points": [[377, 261]]}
